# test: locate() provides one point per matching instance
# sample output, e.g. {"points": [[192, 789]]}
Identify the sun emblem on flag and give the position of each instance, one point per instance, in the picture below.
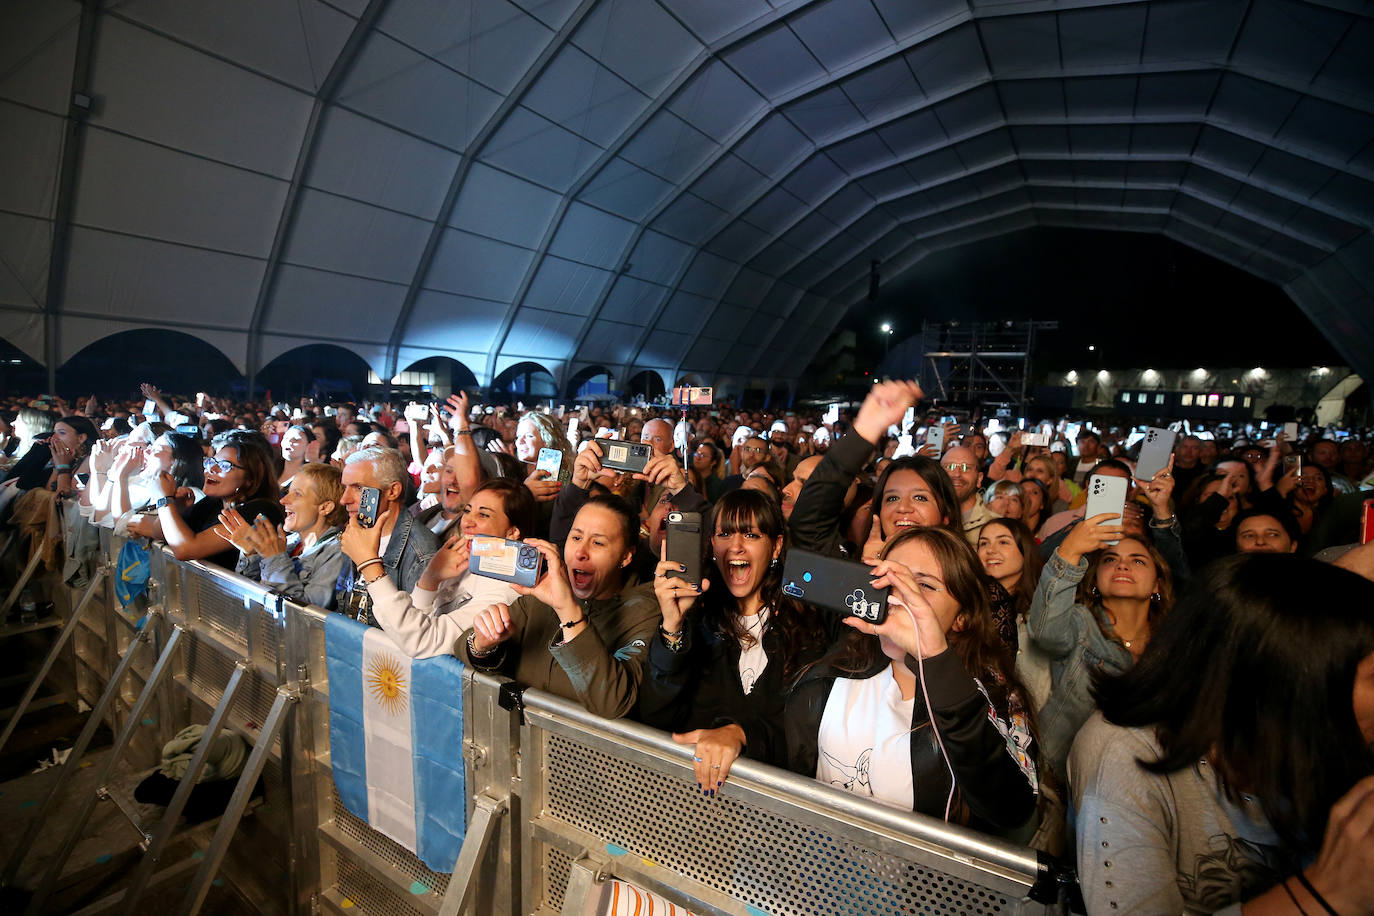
{"points": [[387, 683]]}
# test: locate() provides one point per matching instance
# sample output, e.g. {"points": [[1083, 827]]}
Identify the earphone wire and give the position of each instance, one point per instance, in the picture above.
{"points": [[930, 712]]}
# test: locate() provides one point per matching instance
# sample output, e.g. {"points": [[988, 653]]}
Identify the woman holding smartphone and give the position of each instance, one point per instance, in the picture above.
{"points": [[446, 599], [1094, 610], [922, 711], [724, 653]]}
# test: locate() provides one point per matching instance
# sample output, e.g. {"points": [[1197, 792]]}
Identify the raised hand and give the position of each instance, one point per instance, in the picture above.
{"points": [[1089, 535], [884, 406]]}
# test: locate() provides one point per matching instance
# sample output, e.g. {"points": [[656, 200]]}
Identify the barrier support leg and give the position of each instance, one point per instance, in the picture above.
{"points": [[462, 885], [167, 826], [83, 741], [67, 629], [243, 791], [50, 878], [584, 889], [23, 581]]}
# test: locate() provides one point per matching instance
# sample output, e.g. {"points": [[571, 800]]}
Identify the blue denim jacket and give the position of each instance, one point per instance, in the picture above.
{"points": [[1069, 633], [409, 551]]}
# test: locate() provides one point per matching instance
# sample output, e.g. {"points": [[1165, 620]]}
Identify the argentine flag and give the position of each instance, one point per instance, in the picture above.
{"points": [[396, 740]]}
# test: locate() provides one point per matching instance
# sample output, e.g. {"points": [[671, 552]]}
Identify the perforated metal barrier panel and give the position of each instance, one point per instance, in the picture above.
{"points": [[573, 791]]}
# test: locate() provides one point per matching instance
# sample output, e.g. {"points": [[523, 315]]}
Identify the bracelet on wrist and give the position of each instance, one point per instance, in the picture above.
{"points": [[1312, 891], [62, 468], [473, 651], [462, 432], [366, 563], [572, 623]]}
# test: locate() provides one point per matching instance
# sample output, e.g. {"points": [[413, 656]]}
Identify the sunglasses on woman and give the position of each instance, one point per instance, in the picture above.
{"points": [[221, 465]]}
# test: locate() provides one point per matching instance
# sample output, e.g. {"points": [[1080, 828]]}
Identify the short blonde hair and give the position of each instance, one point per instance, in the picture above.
{"points": [[326, 481]]}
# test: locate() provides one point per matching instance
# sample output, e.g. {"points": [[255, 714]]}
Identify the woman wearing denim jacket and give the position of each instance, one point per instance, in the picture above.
{"points": [[1093, 610]]}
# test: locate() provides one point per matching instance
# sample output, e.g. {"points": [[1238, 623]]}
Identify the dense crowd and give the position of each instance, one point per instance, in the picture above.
{"points": [[1180, 695]]}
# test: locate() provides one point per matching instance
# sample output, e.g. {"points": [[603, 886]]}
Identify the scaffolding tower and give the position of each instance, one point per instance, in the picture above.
{"points": [[980, 364]]}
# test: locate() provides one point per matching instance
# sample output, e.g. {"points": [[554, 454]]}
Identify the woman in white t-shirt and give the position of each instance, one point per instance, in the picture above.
{"points": [[860, 718], [445, 601]]}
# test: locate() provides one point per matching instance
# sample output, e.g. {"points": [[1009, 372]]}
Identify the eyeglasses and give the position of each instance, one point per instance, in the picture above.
{"points": [[221, 465], [753, 448], [963, 468]]}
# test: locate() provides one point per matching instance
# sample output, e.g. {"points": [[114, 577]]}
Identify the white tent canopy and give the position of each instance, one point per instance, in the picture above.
{"points": [[683, 186]]}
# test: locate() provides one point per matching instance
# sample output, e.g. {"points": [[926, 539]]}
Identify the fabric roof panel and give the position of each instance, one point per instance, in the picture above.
{"points": [[364, 159], [1351, 67], [775, 211], [821, 115], [148, 83], [140, 189], [1194, 31], [295, 43], [626, 189], [610, 342], [591, 236], [727, 182], [327, 304], [882, 89], [37, 45], [815, 178], [1016, 44], [1032, 98], [657, 257], [1101, 36], [1328, 129], [640, 41], [471, 265], [837, 32], [948, 59], [738, 239], [668, 147], [716, 101], [491, 41], [455, 322], [566, 286], [683, 314], [33, 141], [713, 19], [342, 235], [1099, 96], [580, 95], [536, 148], [109, 275], [1251, 104], [1175, 95], [1292, 38], [860, 154], [25, 243], [774, 61], [920, 132], [905, 18], [504, 207], [396, 85], [538, 334], [690, 219], [776, 258], [772, 144], [630, 300], [708, 276]]}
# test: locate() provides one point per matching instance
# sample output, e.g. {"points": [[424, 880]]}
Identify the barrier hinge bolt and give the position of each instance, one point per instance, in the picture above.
{"points": [[475, 751]]}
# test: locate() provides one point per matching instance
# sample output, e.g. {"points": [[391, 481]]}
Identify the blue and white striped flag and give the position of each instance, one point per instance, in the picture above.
{"points": [[396, 740]]}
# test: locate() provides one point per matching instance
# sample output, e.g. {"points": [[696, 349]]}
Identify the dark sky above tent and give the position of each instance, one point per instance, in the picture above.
{"points": [[665, 185], [1115, 291]]}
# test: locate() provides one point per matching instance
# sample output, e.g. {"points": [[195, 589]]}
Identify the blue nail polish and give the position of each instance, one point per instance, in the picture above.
{"points": [[713, 793], [719, 784], [698, 785]]}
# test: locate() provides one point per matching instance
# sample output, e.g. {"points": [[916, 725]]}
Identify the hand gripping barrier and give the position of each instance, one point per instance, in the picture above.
{"points": [[558, 800]]}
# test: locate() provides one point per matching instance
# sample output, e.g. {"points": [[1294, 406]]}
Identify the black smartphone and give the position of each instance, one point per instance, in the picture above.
{"points": [[684, 545], [624, 456], [509, 561], [367, 506], [836, 585]]}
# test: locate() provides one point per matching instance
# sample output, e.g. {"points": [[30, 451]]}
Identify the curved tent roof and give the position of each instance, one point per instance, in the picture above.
{"points": [[675, 185]]}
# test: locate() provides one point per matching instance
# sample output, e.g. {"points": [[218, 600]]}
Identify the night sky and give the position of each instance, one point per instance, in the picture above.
{"points": [[1144, 298]]}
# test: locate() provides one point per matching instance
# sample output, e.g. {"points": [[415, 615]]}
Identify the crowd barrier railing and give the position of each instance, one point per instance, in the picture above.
{"points": [[558, 800]]}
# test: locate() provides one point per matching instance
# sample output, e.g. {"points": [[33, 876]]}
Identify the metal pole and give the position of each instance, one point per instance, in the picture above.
{"points": [[463, 883], [243, 791], [74, 758], [50, 878], [23, 581], [67, 629], [139, 883]]}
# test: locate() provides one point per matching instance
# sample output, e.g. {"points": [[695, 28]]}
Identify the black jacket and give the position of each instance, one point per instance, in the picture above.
{"points": [[999, 794], [815, 521], [699, 687]]}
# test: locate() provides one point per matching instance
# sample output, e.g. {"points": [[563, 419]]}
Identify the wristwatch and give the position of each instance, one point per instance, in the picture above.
{"points": [[162, 501]]}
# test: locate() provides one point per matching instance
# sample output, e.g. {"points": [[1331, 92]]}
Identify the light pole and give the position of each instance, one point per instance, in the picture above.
{"points": [[887, 339]]}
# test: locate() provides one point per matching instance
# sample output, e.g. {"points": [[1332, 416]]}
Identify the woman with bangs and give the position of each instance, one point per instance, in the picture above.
{"points": [[724, 654], [446, 599], [1100, 596], [1007, 550], [923, 711]]}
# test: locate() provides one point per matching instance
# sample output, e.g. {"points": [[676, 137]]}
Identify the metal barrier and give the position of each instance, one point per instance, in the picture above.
{"points": [[558, 799]]}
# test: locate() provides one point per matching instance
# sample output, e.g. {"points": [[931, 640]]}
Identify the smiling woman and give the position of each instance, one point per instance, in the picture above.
{"points": [[724, 656]]}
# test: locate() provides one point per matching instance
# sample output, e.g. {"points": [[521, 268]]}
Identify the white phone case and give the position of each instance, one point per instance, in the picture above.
{"points": [[936, 436], [1106, 494]]}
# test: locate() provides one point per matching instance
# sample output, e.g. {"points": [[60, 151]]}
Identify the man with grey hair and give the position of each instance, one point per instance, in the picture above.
{"points": [[396, 546]]}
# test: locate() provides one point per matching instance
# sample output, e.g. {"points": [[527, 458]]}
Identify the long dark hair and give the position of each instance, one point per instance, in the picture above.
{"points": [[1255, 669], [188, 459], [259, 471], [941, 487], [83, 426], [1032, 564], [798, 625], [973, 637]]}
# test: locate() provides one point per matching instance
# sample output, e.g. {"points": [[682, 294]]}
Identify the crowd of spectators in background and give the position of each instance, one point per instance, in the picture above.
{"points": [[1183, 696]]}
